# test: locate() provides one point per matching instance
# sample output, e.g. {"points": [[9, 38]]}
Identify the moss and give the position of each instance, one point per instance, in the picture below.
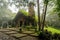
{"points": [[53, 30], [24, 12]]}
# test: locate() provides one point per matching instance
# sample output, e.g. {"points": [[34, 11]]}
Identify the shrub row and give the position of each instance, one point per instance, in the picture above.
{"points": [[46, 35]]}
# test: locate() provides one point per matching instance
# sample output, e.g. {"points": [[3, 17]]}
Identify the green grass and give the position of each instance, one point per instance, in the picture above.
{"points": [[53, 30]]}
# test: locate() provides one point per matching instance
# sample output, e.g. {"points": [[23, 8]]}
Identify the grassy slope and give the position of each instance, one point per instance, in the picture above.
{"points": [[53, 30]]}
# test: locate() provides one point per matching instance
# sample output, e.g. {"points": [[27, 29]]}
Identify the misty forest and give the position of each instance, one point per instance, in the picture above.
{"points": [[29, 19]]}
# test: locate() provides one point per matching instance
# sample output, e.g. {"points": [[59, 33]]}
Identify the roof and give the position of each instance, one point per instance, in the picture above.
{"points": [[19, 16]]}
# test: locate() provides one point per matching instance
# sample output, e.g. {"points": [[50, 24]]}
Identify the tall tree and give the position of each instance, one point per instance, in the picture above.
{"points": [[38, 15], [58, 7], [5, 13], [44, 15]]}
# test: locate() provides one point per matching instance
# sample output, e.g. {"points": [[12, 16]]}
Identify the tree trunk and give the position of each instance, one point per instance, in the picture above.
{"points": [[38, 15], [44, 16]]}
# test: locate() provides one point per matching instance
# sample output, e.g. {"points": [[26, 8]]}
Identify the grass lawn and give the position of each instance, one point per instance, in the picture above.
{"points": [[53, 30]]}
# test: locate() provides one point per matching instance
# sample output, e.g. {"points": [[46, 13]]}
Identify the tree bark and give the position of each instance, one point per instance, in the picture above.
{"points": [[39, 24], [44, 16]]}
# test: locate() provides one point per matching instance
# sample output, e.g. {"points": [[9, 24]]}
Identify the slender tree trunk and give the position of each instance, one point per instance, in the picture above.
{"points": [[38, 15], [44, 16]]}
